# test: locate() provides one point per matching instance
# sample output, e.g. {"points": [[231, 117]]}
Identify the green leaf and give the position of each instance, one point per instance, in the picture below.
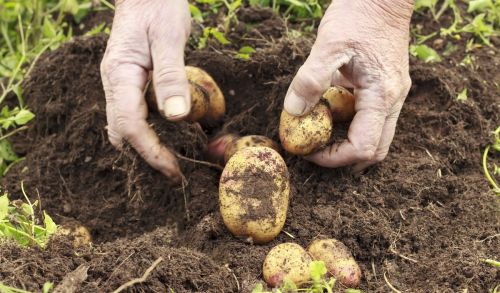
{"points": [[96, 30], [462, 96], [48, 29], [70, 6], [491, 262], [479, 5], [6, 151], [4, 206], [195, 13], [50, 226], [421, 4], [246, 50], [350, 290], [219, 36], [425, 53], [47, 287], [318, 270], [23, 117], [258, 288]]}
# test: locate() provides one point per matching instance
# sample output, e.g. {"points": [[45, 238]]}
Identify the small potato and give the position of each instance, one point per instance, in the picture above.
{"points": [[253, 194], [341, 103], [217, 105], [216, 148], [79, 233], [287, 261], [306, 134], [248, 141], [338, 260]]}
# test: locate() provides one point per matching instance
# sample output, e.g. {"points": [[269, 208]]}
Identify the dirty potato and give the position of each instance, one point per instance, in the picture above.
{"points": [[341, 103], [286, 261], [253, 194], [338, 260]]}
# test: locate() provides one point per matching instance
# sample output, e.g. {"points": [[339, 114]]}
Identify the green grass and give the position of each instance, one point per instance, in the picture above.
{"points": [[28, 28]]}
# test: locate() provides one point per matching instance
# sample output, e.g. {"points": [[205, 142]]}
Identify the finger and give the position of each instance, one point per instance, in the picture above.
{"points": [[313, 78], [339, 79], [383, 147], [167, 51], [363, 137], [131, 124]]}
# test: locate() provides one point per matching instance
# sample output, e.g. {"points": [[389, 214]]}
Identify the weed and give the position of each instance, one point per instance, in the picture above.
{"points": [[28, 29], [18, 222], [6, 289], [495, 145], [425, 53]]}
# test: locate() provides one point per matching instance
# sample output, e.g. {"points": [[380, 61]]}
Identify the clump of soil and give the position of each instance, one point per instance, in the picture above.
{"points": [[424, 217]]}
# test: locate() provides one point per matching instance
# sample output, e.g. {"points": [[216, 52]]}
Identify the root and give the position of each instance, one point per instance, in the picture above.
{"points": [[141, 279]]}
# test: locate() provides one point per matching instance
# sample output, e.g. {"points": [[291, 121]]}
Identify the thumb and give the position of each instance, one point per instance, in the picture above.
{"points": [[312, 79], [169, 74]]}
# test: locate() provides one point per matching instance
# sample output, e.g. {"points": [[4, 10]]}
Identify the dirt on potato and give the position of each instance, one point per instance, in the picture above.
{"points": [[423, 218]]}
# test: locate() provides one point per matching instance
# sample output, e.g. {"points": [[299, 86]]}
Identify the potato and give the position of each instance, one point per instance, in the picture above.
{"points": [[248, 141], [341, 103], [79, 233], [207, 100], [253, 194], [287, 261], [306, 134], [216, 148], [199, 103], [338, 260], [217, 105]]}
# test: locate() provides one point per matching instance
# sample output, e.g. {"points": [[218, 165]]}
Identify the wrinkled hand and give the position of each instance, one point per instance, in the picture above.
{"points": [[146, 35], [361, 44]]}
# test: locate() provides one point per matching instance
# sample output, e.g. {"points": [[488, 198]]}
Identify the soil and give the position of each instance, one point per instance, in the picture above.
{"points": [[421, 220]]}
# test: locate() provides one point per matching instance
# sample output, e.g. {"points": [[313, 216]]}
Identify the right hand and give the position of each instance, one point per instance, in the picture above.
{"points": [[147, 35]]}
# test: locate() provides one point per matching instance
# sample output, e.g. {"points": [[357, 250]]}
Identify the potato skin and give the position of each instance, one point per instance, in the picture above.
{"points": [[248, 141], [338, 260], [80, 234], [341, 103], [306, 134], [217, 104], [217, 147], [253, 194], [286, 261], [199, 103]]}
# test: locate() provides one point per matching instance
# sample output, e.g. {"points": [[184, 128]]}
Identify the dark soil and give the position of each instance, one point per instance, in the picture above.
{"points": [[424, 217]]}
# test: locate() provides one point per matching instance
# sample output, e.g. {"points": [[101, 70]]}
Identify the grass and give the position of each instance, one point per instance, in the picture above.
{"points": [[7, 289], [28, 28]]}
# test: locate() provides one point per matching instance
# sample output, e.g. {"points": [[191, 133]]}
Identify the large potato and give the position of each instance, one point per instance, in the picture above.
{"points": [[338, 260], [217, 105], [253, 193], [306, 134], [248, 141], [287, 261], [341, 103]]}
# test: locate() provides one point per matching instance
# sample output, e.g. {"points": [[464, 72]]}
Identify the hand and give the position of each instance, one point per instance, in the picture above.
{"points": [[361, 44], [147, 35]]}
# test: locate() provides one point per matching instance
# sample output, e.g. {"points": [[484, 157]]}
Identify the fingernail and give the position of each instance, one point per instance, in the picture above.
{"points": [[175, 106], [294, 104]]}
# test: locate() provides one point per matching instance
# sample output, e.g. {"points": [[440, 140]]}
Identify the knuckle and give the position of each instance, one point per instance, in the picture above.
{"points": [[129, 129], [366, 153], [308, 82]]}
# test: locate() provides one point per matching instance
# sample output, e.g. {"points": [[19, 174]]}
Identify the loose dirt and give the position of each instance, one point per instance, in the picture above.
{"points": [[423, 218]]}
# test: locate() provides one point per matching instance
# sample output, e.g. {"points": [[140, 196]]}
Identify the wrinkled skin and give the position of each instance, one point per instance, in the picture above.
{"points": [[361, 44]]}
